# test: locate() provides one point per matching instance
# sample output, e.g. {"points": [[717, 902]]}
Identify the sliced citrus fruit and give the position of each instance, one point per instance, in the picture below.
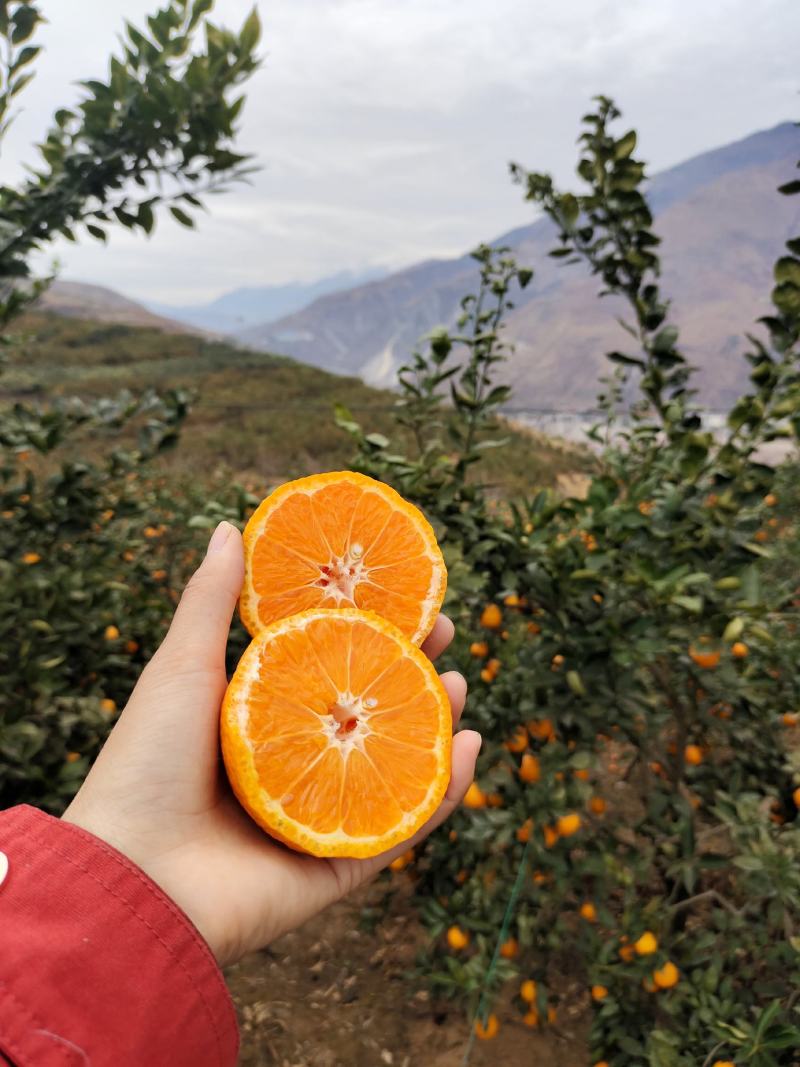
{"points": [[336, 733], [341, 540]]}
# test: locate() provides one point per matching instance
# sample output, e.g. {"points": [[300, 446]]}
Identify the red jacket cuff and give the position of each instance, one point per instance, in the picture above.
{"points": [[97, 964]]}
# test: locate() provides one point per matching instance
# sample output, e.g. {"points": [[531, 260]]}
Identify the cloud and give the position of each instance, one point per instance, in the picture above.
{"points": [[384, 127]]}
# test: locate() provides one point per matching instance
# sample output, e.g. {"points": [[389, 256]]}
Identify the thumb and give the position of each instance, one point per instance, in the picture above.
{"points": [[199, 632]]}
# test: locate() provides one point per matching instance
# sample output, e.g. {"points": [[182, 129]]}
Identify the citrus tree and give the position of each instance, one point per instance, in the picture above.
{"points": [[92, 549], [632, 657]]}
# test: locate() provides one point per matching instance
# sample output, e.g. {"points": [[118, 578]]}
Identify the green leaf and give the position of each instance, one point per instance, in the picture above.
{"points": [[145, 217], [748, 863], [693, 604], [625, 145], [251, 32], [627, 361], [180, 215], [787, 269]]}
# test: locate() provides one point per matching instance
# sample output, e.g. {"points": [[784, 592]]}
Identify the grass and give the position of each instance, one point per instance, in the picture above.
{"points": [[263, 418]]}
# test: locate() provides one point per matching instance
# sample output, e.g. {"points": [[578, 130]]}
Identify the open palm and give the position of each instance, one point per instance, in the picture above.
{"points": [[158, 793]]}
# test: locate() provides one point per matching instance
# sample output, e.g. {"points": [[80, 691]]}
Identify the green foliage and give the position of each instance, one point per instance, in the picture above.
{"points": [[158, 131], [91, 549], [636, 676]]}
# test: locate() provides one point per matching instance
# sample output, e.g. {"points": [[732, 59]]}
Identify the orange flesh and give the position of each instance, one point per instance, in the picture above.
{"points": [[336, 733], [341, 540]]}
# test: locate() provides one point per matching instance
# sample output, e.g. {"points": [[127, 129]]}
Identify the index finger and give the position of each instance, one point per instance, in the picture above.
{"points": [[439, 638]]}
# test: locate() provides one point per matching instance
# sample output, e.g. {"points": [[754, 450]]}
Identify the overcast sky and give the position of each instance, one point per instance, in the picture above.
{"points": [[384, 127]]}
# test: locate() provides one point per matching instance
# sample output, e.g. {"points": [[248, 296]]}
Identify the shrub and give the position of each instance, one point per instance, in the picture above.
{"points": [[635, 818]]}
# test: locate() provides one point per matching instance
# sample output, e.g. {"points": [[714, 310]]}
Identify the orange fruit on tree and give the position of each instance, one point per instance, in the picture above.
{"points": [[627, 952], [588, 912], [474, 797], [457, 938], [491, 617], [647, 944], [568, 825], [486, 1031], [667, 976], [739, 650], [336, 733], [541, 729], [341, 540], [599, 992], [531, 1018], [600, 1063], [770, 500], [509, 949], [518, 741], [529, 769], [597, 805], [403, 861], [524, 832], [111, 633], [527, 990], [693, 755], [723, 1063], [550, 834], [479, 649], [796, 797], [705, 658]]}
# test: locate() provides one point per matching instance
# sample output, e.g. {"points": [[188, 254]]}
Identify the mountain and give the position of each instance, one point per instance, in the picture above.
{"points": [[83, 301], [240, 308], [722, 225]]}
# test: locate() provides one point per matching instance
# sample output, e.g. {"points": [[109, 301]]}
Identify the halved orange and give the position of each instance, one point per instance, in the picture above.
{"points": [[336, 733], [341, 540]]}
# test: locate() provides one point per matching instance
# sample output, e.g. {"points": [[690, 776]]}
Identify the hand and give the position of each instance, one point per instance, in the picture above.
{"points": [[157, 792]]}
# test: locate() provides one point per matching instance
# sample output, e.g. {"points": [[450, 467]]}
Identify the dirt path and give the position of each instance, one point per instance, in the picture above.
{"points": [[334, 994]]}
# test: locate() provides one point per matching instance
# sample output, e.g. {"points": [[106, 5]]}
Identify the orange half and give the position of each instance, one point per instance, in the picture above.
{"points": [[341, 540], [336, 733]]}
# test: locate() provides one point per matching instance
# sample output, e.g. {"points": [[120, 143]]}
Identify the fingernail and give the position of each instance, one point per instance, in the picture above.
{"points": [[219, 537]]}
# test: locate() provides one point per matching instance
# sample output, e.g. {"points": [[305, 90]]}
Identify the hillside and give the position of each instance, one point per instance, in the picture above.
{"points": [[262, 417], [722, 225], [96, 302]]}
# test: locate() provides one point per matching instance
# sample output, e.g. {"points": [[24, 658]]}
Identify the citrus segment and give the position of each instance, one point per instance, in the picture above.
{"points": [[341, 540], [336, 733]]}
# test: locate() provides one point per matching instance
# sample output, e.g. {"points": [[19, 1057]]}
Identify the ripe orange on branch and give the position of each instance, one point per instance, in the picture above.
{"points": [[341, 540], [705, 658], [336, 733]]}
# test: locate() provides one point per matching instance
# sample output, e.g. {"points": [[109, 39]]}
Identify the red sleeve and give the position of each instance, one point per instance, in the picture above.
{"points": [[97, 965]]}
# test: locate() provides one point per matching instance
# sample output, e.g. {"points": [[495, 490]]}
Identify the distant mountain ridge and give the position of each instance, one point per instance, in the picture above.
{"points": [[240, 308], [722, 224]]}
